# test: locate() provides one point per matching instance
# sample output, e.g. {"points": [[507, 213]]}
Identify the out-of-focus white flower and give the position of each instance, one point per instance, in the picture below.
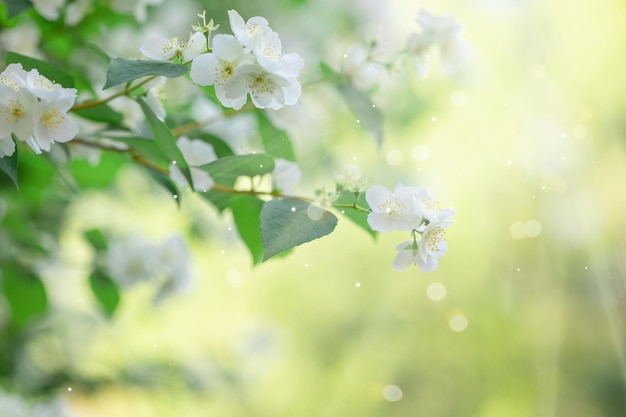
{"points": [[159, 48], [443, 32], [13, 405], [174, 260], [246, 32], [131, 260], [138, 8], [76, 11], [196, 153], [49, 9], [392, 210], [350, 179], [156, 96], [362, 71], [24, 38], [52, 124], [285, 176]]}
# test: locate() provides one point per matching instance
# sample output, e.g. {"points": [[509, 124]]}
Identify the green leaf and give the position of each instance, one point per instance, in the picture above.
{"points": [[99, 176], [166, 182], [164, 139], [275, 141], [8, 165], [144, 147], [220, 147], [102, 113], [364, 109], [231, 167], [15, 7], [286, 223], [246, 211], [357, 216], [225, 172], [123, 70], [25, 294], [105, 290], [47, 70], [96, 239]]}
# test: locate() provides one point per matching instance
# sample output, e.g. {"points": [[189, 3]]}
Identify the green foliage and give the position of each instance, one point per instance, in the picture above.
{"points": [[246, 211], [47, 70], [102, 113], [98, 176], [16, 7], [286, 223], [164, 139], [96, 239], [225, 172], [358, 216], [105, 290], [276, 141], [123, 70], [166, 182], [366, 112], [8, 165], [24, 293]]}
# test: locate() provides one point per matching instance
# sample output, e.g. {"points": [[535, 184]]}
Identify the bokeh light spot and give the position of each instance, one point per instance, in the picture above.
{"points": [[392, 393], [436, 291], [532, 228], [233, 277], [394, 157], [458, 322], [518, 230]]}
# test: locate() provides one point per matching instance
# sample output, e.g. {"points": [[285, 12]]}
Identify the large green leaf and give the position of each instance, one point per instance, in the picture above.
{"points": [[105, 290], [231, 167], [99, 176], [123, 70], [286, 223], [25, 294], [276, 141], [359, 217], [225, 172], [144, 147], [246, 211], [164, 139], [47, 70], [8, 165]]}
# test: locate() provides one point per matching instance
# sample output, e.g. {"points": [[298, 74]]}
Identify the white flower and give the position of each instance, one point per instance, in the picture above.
{"points": [[443, 32], [350, 179], [218, 67], [175, 264], [362, 71], [285, 176], [159, 48], [52, 124], [392, 211], [7, 146], [131, 260], [136, 7], [197, 153], [16, 111], [49, 9], [266, 89], [24, 38], [424, 253], [76, 11], [246, 32], [429, 208]]}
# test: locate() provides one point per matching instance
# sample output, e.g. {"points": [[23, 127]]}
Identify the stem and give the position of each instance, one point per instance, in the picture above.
{"points": [[124, 92], [276, 194], [353, 206]]}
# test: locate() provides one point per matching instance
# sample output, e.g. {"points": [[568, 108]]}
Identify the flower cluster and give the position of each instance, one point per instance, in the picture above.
{"points": [[132, 260], [410, 209], [249, 62], [438, 31], [34, 110]]}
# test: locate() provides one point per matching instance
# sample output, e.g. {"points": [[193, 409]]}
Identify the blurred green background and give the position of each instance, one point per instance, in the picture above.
{"points": [[525, 315]]}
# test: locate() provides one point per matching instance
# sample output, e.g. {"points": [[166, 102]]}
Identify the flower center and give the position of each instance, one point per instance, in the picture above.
{"points": [[392, 208], [259, 85], [14, 111], [224, 72], [52, 120]]}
